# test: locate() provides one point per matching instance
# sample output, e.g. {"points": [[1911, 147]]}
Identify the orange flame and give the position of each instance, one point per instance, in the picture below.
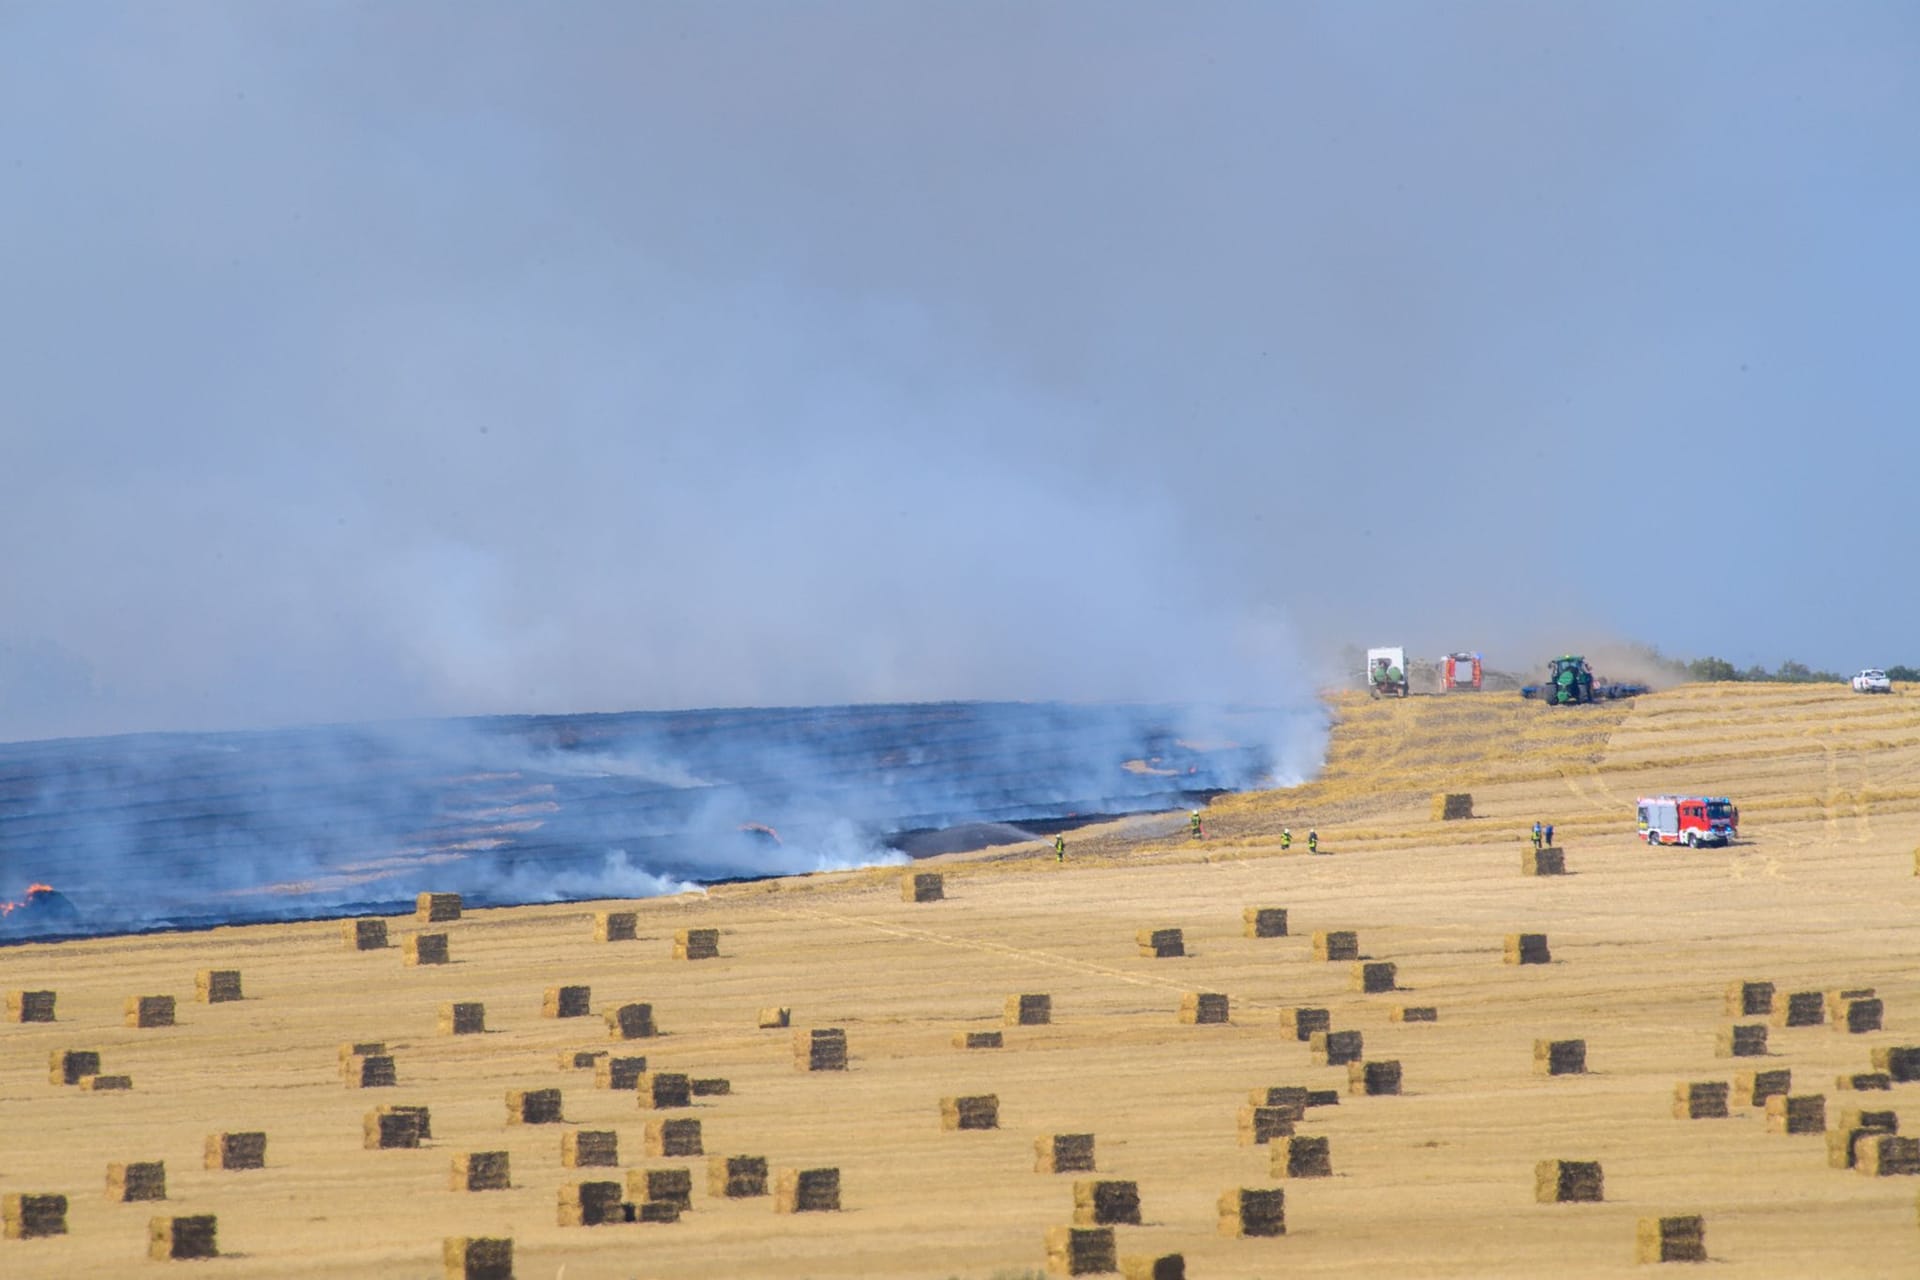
{"points": [[33, 891]]}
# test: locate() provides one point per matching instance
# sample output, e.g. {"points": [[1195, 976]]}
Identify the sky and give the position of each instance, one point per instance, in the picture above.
{"points": [[363, 361]]}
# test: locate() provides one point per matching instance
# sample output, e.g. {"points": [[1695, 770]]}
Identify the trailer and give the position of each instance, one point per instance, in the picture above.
{"points": [[1387, 673]]}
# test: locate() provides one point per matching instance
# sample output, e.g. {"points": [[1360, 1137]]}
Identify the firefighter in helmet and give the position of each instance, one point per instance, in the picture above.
{"points": [[1313, 842], [1286, 837], [1059, 848], [1194, 830]]}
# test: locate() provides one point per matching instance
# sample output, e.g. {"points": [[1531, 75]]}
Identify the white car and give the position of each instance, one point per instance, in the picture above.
{"points": [[1872, 681]]}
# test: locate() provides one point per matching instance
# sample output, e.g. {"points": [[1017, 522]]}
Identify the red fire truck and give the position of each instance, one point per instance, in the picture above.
{"points": [[1460, 671], [1689, 820]]}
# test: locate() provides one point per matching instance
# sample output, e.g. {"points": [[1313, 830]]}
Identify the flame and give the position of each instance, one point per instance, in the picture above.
{"points": [[33, 891], [761, 828]]}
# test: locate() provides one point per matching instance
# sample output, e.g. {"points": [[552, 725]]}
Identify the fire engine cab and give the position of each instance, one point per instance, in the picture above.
{"points": [[1689, 820]]}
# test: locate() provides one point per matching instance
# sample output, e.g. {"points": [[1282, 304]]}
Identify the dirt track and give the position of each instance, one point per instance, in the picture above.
{"points": [[1437, 1182]]}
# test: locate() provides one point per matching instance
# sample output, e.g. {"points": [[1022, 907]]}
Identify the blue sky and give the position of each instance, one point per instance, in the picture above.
{"points": [[392, 360]]}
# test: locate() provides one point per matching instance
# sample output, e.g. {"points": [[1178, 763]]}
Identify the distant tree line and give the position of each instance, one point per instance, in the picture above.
{"points": [[1788, 672]]}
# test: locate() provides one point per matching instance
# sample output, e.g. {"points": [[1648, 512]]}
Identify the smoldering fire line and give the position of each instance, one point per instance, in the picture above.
{"points": [[158, 830]]}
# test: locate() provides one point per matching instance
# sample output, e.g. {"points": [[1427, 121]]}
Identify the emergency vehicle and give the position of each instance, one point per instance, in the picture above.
{"points": [[1460, 671], [1689, 820]]}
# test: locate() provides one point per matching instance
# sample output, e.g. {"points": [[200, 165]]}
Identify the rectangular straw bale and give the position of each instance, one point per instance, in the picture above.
{"points": [[1253, 1211], [1749, 999], [806, 1191], [1282, 1095], [1265, 922], [171, 1239], [1259, 1125], [978, 1040], [149, 1011], [736, 1177], [1160, 944], [616, 926], [580, 1059], [1104, 1202], [436, 908], [1884, 1155], [658, 1211], [696, 944], [105, 1084], [1303, 1022], [1568, 1182], [1800, 1113], [1299, 1156], [976, 1111], [1153, 1266], [236, 1150], [922, 886], [1337, 944], [1864, 1081], [619, 1073], [533, 1106], [216, 986], [774, 1017], [1374, 1079], [476, 1258], [631, 1022], [351, 1049], [1452, 806], [1203, 1008], [481, 1171], [1700, 1100], [422, 1116], [1559, 1057], [1844, 1138], [1526, 948], [589, 1149], [1742, 1040], [591, 1204], [1373, 976], [381, 1130], [659, 1090], [709, 1086], [28, 1216], [1080, 1251], [137, 1180], [1333, 1048], [1753, 1088], [1859, 1016], [1414, 1013], [1837, 999], [1799, 1008], [1670, 1240], [69, 1066], [468, 1018], [820, 1049], [1323, 1097], [30, 1006], [425, 948], [1029, 1010], [1063, 1153], [364, 935], [566, 1002], [673, 1139], [371, 1071], [1901, 1062], [1543, 862], [661, 1186]]}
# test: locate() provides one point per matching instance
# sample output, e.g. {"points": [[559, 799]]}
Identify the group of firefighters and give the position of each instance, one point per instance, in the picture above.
{"points": [[1543, 836], [1197, 830]]}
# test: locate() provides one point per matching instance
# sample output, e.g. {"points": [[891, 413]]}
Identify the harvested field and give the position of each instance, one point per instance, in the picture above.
{"points": [[1819, 896]]}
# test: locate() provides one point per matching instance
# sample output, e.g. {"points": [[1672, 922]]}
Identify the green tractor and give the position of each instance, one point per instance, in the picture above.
{"points": [[1569, 681]]}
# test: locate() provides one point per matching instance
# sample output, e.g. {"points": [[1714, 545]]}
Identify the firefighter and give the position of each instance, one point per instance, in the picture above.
{"points": [[1549, 836], [1286, 841], [1059, 848], [1536, 835], [1313, 842], [1194, 830]]}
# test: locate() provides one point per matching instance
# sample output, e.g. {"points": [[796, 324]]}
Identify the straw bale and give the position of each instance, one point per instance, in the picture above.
{"points": [[1337, 944], [1864, 1081], [820, 1049], [1844, 1138], [1104, 1202], [236, 1150], [30, 1006], [618, 1073], [1543, 862], [216, 986], [149, 1011], [364, 935], [655, 1211], [1334, 1048], [580, 1059], [673, 1139], [1373, 976], [137, 1180], [1526, 948], [105, 1084], [1259, 1125], [1323, 1097], [710, 1086], [1700, 1100], [1743, 1040], [383, 1129], [1859, 1016], [1414, 1013], [1198, 1008], [1837, 1000], [806, 1191], [922, 886], [425, 948], [1029, 1010], [1253, 1211], [662, 1186], [589, 1149], [533, 1106], [1753, 1088], [774, 1017], [476, 1258], [28, 1216], [371, 1071], [736, 1177], [435, 908], [591, 1204], [422, 1117], [1559, 1057], [1304, 1021], [631, 1022], [351, 1049], [1568, 1182], [1749, 999], [169, 1239], [1900, 1062], [1080, 1251], [1453, 806], [1799, 1009], [1282, 1095], [1681, 1239], [1265, 922], [1884, 1155], [481, 1171], [976, 1111], [659, 1090], [1063, 1153], [696, 944], [978, 1040], [465, 1019], [1160, 944], [1298, 1156], [1374, 1079], [1153, 1266], [1801, 1113], [566, 1002], [616, 926], [69, 1066]]}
